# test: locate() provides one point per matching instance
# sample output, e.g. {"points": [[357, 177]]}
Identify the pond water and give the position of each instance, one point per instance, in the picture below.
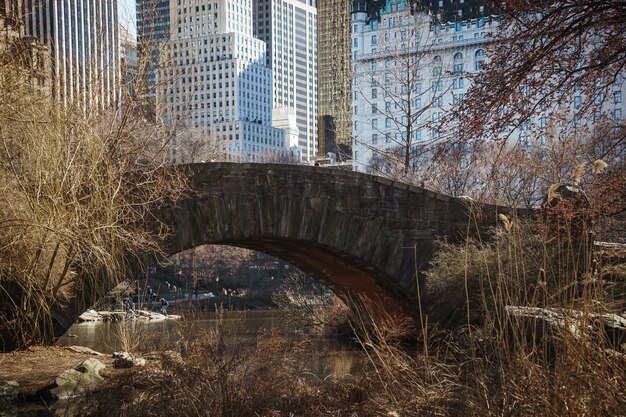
{"points": [[328, 356]]}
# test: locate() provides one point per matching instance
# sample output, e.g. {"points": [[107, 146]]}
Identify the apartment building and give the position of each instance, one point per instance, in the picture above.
{"points": [[213, 83]]}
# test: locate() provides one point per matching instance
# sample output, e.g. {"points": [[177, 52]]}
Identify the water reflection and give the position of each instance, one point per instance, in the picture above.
{"points": [[239, 328], [105, 336]]}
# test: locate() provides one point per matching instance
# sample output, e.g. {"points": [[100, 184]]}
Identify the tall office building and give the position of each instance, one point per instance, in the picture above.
{"points": [[153, 31], [334, 76], [82, 38], [213, 84], [289, 29]]}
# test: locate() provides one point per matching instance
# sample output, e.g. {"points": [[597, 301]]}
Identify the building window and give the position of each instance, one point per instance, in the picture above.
{"points": [[617, 114], [374, 123], [458, 68], [374, 93], [577, 101], [457, 83], [617, 97], [374, 40], [597, 99], [479, 65], [387, 122], [356, 109], [355, 43], [480, 53], [374, 109], [458, 56], [437, 72], [375, 138], [437, 86]]}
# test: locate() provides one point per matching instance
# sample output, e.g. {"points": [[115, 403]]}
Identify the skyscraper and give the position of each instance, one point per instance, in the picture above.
{"points": [[82, 37], [289, 29], [334, 75], [153, 31], [213, 84]]}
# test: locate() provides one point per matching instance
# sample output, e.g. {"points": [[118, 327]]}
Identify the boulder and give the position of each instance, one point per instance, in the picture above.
{"points": [[126, 360], [153, 315], [90, 315], [83, 379], [8, 395], [612, 327], [83, 349]]}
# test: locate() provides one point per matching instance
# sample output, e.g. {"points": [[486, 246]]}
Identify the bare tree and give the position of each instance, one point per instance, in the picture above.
{"points": [[403, 82], [203, 263], [196, 145], [549, 55]]}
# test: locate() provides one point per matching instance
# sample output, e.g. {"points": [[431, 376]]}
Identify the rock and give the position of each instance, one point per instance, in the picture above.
{"points": [[8, 395], [83, 349], [73, 382], [612, 327], [90, 315], [151, 315], [126, 360]]}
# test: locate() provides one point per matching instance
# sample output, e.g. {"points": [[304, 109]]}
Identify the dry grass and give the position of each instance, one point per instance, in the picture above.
{"points": [[209, 374], [491, 363], [76, 188]]}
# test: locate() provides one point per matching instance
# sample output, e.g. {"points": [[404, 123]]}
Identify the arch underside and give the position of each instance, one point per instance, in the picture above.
{"points": [[352, 280]]}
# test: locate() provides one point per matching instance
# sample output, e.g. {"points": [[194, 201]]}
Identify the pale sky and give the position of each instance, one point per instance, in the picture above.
{"points": [[126, 9]]}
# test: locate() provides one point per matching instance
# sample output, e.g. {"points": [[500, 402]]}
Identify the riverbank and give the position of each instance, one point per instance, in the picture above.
{"points": [[36, 368]]}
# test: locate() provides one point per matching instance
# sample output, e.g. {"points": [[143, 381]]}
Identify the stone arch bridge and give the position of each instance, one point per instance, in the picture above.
{"points": [[360, 234]]}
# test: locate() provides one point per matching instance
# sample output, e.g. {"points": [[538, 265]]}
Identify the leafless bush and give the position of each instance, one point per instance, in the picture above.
{"points": [[213, 375], [318, 312], [77, 187]]}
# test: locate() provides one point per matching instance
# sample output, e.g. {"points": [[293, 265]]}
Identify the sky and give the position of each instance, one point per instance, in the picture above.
{"points": [[126, 10]]}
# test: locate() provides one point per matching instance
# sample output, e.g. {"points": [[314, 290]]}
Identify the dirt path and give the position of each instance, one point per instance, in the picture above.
{"points": [[35, 368]]}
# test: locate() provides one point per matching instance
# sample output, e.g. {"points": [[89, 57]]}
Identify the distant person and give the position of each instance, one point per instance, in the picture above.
{"points": [[130, 308], [164, 305]]}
